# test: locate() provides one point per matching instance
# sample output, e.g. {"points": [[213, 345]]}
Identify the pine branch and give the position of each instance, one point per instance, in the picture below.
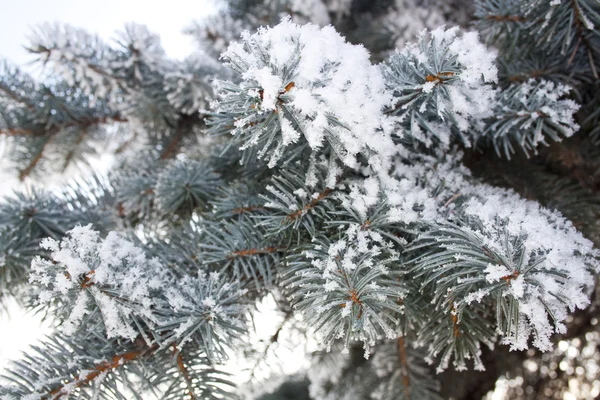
{"points": [[252, 252], [334, 182], [580, 25]]}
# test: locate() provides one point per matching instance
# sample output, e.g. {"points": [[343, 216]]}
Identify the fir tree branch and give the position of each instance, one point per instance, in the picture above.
{"points": [[106, 366], [582, 37], [249, 209], [83, 132], [15, 131], [505, 18], [525, 76], [83, 123], [185, 125], [170, 150]]}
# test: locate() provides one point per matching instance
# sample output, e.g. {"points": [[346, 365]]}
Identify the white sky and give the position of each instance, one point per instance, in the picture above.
{"points": [[167, 18], [17, 18]]}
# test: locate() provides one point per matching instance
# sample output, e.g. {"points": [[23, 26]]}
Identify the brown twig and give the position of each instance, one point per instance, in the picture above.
{"points": [[252, 252], [274, 339], [87, 279], [71, 152], [116, 362], [173, 144], [241, 210], [531, 74], [508, 18], [510, 277], [85, 123], [452, 199], [354, 298], [184, 371], [293, 216], [404, 364], [579, 25], [15, 131], [184, 124], [35, 160], [439, 78], [454, 317]]}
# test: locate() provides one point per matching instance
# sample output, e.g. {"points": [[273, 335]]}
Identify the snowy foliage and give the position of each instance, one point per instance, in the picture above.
{"points": [[79, 49], [441, 85], [188, 87], [205, 310], [214, 33], [497, 246], [408, 18], [336, 186], [529, 113], [186, 185], [298, 198], [304, 86], [348, 289], [550, 30], [134, 187], [85, 274]]}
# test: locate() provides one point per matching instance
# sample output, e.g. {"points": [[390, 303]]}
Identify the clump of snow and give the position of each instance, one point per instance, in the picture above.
{"points": [[550, 281], [87, 272], [307, 82], [556, 272]]}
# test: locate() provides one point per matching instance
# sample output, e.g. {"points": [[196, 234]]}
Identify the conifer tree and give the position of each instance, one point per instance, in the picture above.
{"points": [[413, 185]]}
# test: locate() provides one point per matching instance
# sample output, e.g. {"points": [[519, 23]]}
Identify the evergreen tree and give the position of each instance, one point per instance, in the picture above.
{"points": [[414, 210]]}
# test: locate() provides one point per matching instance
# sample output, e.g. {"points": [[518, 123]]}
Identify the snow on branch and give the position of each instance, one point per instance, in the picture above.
{"points": [[109, 275], [112, 283], [347, 289], [527, 262], [441, 85], [528, 114], [303, 86]]}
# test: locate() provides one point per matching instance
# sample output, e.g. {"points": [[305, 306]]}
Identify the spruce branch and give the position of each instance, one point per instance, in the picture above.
{"points": [[297, 200], [430, 77], [361, 290], [528, 113]]}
